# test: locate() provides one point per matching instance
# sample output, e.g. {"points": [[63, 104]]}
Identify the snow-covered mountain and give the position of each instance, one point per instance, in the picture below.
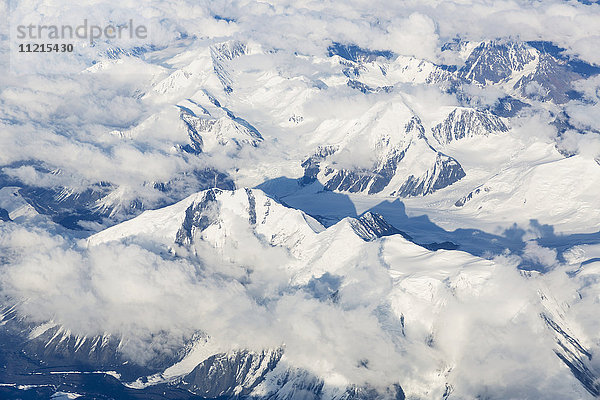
{"points": [[411, 291], [533, 70], [463, 123], [403, 162], [396, 146], [529, 70], [303, 201]]}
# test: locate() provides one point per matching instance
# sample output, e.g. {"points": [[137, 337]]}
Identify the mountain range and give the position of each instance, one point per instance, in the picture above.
{"points": [[221, 216]]}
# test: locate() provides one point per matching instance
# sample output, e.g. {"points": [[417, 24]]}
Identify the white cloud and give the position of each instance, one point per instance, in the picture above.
{"points": [[540, 255], [413, 36], [482, 341]]}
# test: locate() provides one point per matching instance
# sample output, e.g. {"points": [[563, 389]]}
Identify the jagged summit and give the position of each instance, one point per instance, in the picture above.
{"points": [[211, 215], [403, 163], [464, 123]]}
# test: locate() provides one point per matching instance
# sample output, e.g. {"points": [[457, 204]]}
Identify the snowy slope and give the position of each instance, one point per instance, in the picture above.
{"points": [[549, 188], [410, 291]]}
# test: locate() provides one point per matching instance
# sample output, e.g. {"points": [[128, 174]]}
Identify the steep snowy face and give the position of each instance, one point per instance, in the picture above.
{"points": [[215, 126], [221, 54], [396, 156], [548, 187]]}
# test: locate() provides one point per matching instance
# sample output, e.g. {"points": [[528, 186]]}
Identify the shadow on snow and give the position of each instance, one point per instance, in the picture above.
{"points": [[330, 207]]}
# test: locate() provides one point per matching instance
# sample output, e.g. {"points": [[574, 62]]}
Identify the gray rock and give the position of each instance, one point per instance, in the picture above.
{"points": [[4, 215], [198, 217], [230, 375], [464, 123], [443, 172], [495, 61]]}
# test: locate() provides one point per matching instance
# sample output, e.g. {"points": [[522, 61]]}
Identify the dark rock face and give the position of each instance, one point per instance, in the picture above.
{"points": [[463, 123], [574, 355], [358, 181], [357, 54], [4, 215], [312, 165], [229, 50], [56, 344], [508, 107], [194, 126], [230, 375], [551, 80], [495, 61], [394, 392], [371, 226], [468, 197], [198, 217], [295, 384], [386, 172], [251, 206], [354, 84], [443, 170]]}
